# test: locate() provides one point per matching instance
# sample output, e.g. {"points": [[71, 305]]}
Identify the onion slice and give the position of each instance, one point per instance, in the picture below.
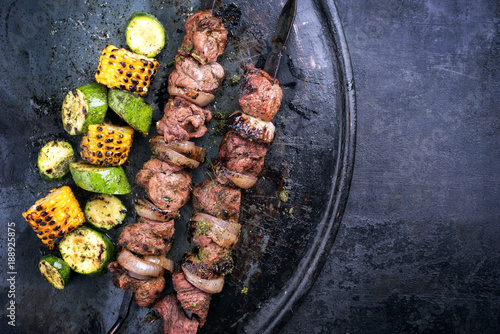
{"points": [[223, 233], [211, 286], [162, 261], [138, 266], [189, 149], [145, 208], [223, 174], [161, 149], [197, 97], [137, 276], [251, 127]]}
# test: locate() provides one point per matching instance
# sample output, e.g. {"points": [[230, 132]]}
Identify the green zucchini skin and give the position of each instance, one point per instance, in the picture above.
{"points": [[87, 251], [83, 106], [54, 159], [145, 34], [55, 271], [105, 211], [104, 180], [132, 109]]}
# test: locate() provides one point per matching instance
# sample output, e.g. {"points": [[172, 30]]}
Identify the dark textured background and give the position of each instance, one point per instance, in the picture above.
{"points": [[418, 249]]}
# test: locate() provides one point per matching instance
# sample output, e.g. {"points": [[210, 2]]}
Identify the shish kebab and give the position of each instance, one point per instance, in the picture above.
{"points": [[140, 265], [216, 201]]}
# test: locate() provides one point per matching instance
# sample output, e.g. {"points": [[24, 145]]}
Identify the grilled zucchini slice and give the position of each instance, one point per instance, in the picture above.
{"points": [[83, 106], [105, 211], [98, 179], [145, 34], [132, 109], [54, 159], [87, 251], [55, 271]]}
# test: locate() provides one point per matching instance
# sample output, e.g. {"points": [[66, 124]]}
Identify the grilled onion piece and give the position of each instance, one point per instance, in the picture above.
{"points": [[197, 97], [251, 127], [138, 266], [223, 233], [145, 208], [164, 152], [211, 286], [162, 261], [223, 175], [189, 149]]}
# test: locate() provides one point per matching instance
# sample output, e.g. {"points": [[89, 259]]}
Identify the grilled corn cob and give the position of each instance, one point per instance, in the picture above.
{"points": [[107, 144], [120, 68], [55, 215]]}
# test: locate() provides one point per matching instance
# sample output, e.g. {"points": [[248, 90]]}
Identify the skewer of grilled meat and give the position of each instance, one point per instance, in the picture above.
{"points": [[163, 177], [216, 202]]}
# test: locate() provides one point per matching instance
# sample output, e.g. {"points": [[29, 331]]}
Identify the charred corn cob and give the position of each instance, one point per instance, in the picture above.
{"points": [[107, 144], [55, 215], [120, 68]]}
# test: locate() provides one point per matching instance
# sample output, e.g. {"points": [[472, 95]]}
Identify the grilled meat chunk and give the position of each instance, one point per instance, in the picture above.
{"points": [[151, 167], [148, 237], [258, 96], [242, 155], [182, 120], [208, 262], [192, 299], [195, 82], [169, 192], [217, 200], [175, 320], [145, 292], [205, 37]]}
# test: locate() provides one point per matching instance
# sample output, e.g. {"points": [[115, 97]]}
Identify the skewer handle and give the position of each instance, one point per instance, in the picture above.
{"points": [[124, 309]]}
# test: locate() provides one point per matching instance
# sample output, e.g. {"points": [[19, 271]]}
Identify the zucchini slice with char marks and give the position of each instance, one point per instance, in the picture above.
{"points": [[55, 271], [87, 251], [54, 159], [83, 106], [105, 211]]}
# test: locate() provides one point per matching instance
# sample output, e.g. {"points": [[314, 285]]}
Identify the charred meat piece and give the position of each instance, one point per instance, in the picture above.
{"points": [[169, 192], [195, 82], [258, 96], [148, 237], [176, 322], [192, 299], [182, 120], [151, 167], [208, 262], [205, 37], [145, 292], [242, 155], [217, 200]]}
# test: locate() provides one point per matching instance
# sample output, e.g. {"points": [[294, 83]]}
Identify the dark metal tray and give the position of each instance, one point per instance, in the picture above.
{"points": [[53, 46]]}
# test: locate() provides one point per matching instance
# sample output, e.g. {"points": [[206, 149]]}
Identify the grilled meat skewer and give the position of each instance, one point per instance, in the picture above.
{"points": [[167, 184]]}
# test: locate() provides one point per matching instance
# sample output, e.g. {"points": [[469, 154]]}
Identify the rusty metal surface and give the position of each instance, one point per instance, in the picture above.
{"points": [[54, 46]]}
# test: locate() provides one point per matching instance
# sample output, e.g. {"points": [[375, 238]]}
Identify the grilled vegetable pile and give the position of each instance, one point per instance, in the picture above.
{"points": [[123, 79]]}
